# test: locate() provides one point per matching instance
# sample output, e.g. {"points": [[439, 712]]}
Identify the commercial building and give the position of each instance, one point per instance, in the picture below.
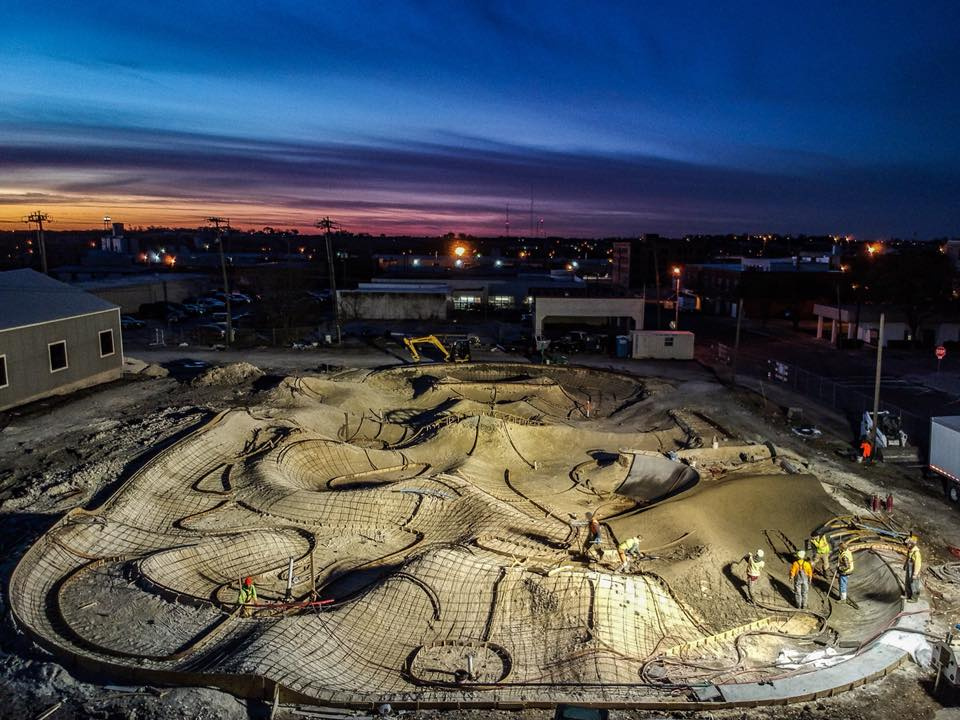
{"points": [[394, 301], [626, 311], [769, 287], [863, 324], [54, 338]]}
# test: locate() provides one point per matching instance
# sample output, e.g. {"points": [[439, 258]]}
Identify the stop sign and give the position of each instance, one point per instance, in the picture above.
{"points": [[941, 352]]}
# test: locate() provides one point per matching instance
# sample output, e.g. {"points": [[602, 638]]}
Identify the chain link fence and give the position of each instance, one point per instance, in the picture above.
{"points": [[835, 394]]}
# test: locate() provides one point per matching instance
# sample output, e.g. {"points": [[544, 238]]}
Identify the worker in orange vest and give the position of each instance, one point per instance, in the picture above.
{"points": [[866, 451], [591, 548]]}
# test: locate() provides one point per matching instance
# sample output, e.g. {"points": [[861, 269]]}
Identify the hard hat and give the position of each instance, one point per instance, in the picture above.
{"points": [[759, 553], [801, 554], [248, 581]]}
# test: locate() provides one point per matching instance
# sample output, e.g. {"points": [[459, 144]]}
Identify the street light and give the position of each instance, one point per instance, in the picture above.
{"points": [[676, 322]]}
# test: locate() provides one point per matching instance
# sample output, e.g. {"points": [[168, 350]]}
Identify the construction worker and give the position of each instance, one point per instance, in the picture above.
{"points": [[755, 563], [844, 569], [821, 558], [629, 548], [866, 451], [247, 597], [801, 572], [591, 548], [911, 570]]}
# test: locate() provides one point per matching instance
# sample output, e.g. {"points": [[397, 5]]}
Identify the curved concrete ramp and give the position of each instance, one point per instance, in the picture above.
{"points": [[653, 477]]}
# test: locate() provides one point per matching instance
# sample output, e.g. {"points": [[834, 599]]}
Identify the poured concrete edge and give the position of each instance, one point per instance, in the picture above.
{"points": [[875, 661]]}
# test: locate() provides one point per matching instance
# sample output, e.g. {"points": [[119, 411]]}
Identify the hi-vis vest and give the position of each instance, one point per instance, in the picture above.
{"points": [[914, 556], [822, 545], [754, 566], [630, 544], [846, 562]]}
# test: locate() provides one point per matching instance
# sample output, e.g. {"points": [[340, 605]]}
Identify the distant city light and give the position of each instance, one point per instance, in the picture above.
{"points": [[498, 263], [575, 264], [458, 263], [459, 250], [416, 261]]}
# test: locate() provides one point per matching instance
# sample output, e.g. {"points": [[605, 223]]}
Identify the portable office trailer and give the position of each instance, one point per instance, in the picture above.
{"points": [[662, 344]]}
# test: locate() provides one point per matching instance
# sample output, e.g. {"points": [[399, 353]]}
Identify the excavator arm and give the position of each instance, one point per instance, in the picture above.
{"points": [[411, 345]]}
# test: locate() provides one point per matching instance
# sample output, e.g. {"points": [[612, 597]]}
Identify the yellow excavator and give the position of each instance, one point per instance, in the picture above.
{"points": [[461, 348]]}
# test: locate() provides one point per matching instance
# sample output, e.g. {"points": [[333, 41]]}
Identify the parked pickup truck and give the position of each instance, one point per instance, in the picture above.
{"points": [[945, 453]]}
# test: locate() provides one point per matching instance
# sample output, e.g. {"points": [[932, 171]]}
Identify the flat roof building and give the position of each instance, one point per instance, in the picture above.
{"points": [[54, 338]]}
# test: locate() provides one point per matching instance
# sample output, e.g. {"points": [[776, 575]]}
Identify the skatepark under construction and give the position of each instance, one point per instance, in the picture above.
{"points": [[415, 536]]}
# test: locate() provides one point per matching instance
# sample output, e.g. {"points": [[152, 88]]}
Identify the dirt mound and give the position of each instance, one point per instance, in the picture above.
{"points": [[232, 374]]}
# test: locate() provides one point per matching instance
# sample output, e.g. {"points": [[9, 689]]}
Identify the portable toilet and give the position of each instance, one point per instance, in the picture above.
{"points": [[623, 346]]}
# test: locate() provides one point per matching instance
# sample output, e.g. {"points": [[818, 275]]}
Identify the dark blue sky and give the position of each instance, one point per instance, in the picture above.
{"points": [[434, 116]]}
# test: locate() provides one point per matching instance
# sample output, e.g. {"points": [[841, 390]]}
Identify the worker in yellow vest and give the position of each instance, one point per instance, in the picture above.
{"points": [[247, 597], [801, 572], [911, 570], [629, 548], [844, 569], [821, 558]]}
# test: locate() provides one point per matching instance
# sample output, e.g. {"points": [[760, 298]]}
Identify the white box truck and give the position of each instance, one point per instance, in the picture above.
{"points": [[945, 453]]}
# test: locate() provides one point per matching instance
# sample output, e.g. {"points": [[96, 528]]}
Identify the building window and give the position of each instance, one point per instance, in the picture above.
{"points": [[3, 371], [501, 302], [466, 302], [106, 343], [668, 341], [58, 356]]}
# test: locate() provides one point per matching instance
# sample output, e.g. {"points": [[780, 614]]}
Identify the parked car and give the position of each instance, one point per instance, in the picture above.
{"points": [[212, 303], [239, 298], [195, 309], [129, 322]]}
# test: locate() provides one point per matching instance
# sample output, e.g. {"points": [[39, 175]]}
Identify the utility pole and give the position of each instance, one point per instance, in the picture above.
{"points": [[736, 343], [656, 271], [327, 225], [40, 218], [221, 223], [876, 389]]}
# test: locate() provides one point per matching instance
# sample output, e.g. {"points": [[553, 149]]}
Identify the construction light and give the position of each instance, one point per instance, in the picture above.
{"points": [[459, 250], [676, 270], [458, 263]]}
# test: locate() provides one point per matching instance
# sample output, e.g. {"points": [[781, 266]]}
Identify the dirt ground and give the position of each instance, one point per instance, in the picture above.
{"points": [[69, 452]]}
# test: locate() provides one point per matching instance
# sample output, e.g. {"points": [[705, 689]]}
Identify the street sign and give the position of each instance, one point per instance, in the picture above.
{"points": [[941, 352]]}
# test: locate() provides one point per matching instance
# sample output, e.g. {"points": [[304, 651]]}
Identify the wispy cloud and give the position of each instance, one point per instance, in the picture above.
{"points": [[462, 185]]}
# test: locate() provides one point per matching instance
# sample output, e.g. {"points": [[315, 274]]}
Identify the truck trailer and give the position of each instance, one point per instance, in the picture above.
{"points": [[945, 453]]}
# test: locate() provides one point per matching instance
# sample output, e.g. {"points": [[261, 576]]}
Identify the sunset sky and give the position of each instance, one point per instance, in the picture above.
{"points": [[433, 117]]}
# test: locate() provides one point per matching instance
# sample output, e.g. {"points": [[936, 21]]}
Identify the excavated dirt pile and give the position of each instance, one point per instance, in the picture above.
{"points": [[232, 374], [415, 536]]}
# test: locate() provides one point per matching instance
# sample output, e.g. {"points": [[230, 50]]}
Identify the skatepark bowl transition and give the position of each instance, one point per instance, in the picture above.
{"points": [[416, 537]]}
